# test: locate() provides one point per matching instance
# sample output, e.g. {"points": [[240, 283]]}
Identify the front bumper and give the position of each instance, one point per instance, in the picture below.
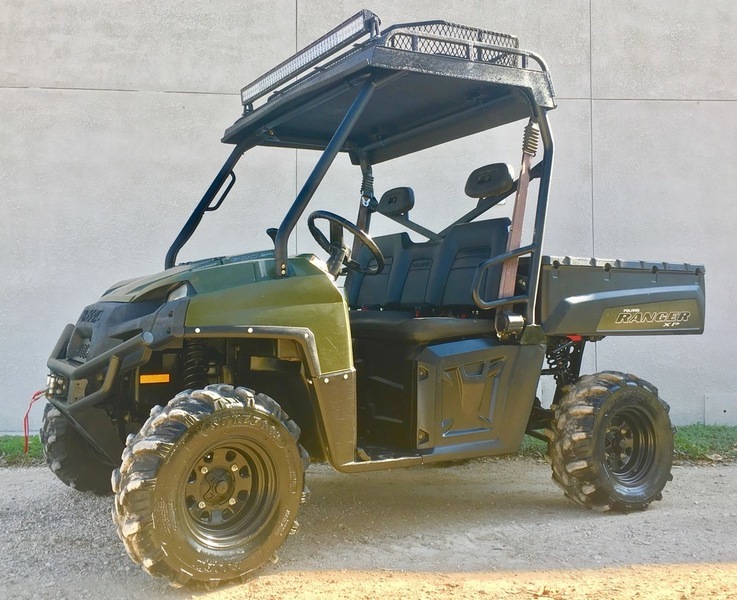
{"points": [[68, 380], [109, 362]]}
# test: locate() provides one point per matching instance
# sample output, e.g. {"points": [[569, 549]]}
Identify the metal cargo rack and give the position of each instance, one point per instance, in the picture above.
{"points": [[440, 38]]}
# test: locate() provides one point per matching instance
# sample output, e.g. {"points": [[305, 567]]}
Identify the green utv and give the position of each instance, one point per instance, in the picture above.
{"points": [[219, 379]]}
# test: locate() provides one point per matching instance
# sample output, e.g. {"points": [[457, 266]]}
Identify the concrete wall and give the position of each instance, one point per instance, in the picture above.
{"points": [[110, 132]]}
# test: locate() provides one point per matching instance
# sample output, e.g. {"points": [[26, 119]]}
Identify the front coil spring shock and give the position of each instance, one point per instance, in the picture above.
{"points": [[195, 365]]}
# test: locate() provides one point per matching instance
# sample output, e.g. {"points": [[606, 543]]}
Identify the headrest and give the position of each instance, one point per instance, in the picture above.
{"points": [[490, 180], [396, 202]]}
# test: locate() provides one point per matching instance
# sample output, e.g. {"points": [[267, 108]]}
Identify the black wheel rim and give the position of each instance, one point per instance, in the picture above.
{"points": [[229, 494], [629, 446]]}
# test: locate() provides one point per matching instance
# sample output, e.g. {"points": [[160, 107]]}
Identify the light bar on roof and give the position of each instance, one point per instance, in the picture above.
{"points": [[344, 34]]}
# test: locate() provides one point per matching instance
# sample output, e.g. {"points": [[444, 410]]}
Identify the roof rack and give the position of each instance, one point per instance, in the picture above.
{"points": [[438, 38], [449, 39], [434, 81]]}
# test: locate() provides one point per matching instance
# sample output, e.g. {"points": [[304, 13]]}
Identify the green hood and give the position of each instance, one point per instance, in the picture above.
{"points": [[239, 291]]}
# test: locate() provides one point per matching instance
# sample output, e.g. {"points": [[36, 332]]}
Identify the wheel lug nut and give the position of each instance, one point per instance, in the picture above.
{"points": [[233, 468], [203, 470], [201, 505], [231, 501]]}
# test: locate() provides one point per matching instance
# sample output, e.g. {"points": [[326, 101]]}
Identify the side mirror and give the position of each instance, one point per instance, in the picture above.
{"points": [[491, 180]]}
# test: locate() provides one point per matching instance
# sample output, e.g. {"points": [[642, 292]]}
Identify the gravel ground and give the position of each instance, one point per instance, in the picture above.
{"points": [[493, 528]]}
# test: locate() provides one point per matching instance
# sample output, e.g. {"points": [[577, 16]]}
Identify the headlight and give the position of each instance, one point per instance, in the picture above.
{"points": [[182, 291]]}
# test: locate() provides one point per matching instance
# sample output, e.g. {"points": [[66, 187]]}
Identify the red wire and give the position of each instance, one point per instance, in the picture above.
{"points": [[35, 397]]}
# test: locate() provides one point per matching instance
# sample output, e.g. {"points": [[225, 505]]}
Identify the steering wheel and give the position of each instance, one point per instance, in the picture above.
{"points": [[340, 253]]}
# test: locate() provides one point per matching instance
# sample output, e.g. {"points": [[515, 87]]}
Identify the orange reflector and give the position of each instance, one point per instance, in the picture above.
{"points": [[155, 378]]}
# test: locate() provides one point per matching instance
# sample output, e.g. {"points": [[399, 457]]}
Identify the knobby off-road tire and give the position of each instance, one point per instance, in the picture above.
{"points": [[70, 457], [210, 487], [611, 442]]}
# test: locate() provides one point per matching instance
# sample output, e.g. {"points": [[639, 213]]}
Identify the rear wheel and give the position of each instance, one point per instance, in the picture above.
{"points": [[210, 487], [70, 457], [611, 442]]}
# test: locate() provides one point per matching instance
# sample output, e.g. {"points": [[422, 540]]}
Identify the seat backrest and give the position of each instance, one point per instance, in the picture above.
{"points": [[431, 274], [370, 291], [464, 248], [410, 283], [403, 281]]}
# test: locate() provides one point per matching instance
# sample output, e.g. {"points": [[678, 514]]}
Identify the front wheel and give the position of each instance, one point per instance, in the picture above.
{"points": [[210, 487], [611, 442]]}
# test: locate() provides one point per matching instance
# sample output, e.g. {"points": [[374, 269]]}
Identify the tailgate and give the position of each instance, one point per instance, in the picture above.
{"points": [[615, 297]]}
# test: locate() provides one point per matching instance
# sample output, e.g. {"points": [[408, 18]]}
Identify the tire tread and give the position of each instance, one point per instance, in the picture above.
{"points": [[571, 439], [144, 454], [70, 458]]}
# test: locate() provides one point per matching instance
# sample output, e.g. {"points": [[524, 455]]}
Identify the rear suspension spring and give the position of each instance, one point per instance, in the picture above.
{"points": [[564, 363]]}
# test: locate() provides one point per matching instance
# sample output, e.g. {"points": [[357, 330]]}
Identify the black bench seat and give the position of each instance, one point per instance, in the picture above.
{"points": [[433, 277]]}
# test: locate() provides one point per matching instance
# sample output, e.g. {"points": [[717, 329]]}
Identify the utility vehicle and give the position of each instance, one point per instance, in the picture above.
{"points": [[220, 379]]}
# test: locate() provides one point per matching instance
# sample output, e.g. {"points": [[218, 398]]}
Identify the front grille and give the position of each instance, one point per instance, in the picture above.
{"points": [[82, 352]]}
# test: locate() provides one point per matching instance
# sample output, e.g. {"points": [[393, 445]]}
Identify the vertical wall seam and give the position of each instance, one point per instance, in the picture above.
{"points": [[591, 125], [591, 148]]}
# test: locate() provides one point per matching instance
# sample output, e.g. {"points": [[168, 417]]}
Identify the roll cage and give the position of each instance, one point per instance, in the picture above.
{"points": [[404, 89]]}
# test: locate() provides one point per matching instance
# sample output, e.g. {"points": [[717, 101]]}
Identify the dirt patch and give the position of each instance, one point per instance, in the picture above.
{"points": [[494, 528]]}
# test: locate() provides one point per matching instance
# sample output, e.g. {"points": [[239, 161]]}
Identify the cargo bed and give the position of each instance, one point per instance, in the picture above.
{"points": [[593, 297]]}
